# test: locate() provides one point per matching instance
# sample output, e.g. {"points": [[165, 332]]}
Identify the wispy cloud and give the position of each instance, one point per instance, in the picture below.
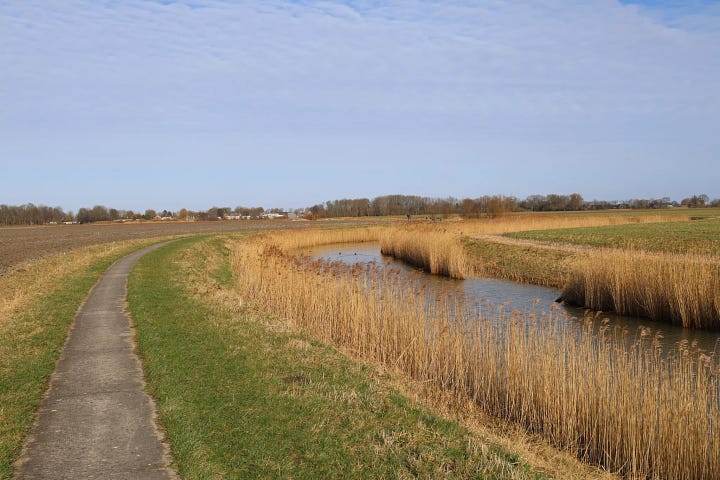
{"points": [[118, 79], [691, 15]]}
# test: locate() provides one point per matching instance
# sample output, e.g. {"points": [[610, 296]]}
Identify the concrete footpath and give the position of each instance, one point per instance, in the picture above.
{"points": [[96, 420]]}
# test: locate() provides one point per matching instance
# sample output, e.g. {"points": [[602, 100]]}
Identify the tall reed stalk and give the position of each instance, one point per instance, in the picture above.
{"points": [[634, 409], [676, 288], [439, 252]]}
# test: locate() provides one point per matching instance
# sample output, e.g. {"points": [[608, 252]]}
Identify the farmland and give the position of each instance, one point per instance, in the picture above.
{"points": [[700, 236], [23, 244]]}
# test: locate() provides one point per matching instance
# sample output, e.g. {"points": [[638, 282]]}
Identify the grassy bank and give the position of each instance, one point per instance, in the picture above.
{"points": [[628, 409], [38, 304], [700, 237], [243, 395], [520, 263]]}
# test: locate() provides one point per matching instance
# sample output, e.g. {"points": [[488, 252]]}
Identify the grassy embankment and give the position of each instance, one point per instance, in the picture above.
{"points": [[244, 395], [700, 237], [628, 409], [38, 304], [550, 262]]}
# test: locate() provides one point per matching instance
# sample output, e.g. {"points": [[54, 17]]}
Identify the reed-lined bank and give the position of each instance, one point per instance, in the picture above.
{"points": [[679, 289], [439, 249], [440, 253], [240, 395], [630, 410], [667, 287]]}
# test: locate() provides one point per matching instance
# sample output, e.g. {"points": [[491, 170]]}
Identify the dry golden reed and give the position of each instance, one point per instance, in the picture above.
{"points": [[682, 289], [440, 253], [314, 237], [634, 410]]}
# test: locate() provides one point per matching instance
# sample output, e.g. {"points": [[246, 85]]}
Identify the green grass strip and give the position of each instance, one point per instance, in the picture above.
{"points": [[241, 398], [30, 344], [696, 236]]}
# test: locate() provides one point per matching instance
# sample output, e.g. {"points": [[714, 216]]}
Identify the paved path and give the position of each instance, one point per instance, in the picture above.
{"points": [[96, 420]]}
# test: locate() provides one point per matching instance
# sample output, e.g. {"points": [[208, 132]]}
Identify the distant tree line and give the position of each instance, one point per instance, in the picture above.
{"points": [[485, 206], [386, 205], [30, 214], [410, 205]]}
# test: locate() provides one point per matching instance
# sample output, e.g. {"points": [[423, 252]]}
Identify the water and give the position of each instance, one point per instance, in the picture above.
{"points": [[506, 295]]}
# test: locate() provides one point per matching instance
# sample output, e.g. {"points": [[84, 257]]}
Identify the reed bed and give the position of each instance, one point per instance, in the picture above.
{"points": [[634, 410], [440, 253], [675, 288], [310, 238]]}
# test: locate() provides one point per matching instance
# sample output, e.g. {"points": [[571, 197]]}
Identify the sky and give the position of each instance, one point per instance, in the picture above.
{"points": [[173, 104]]}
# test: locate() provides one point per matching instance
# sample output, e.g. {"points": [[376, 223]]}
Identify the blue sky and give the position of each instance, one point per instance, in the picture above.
{"points": [[170, 104]]}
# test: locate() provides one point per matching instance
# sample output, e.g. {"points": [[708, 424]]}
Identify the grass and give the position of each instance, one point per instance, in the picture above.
{"points": [[628, 408], [520, 263], [242, 395], [39, 302], [697, 236]]}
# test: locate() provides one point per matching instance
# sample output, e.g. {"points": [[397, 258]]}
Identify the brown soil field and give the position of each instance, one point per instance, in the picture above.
{"points": [[19, 245]]}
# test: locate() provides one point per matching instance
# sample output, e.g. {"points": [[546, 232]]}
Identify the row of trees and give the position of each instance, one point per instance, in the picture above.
{"points": [[481, 206], [410, 205], [385, 205], [413, 205], [31, 215]]}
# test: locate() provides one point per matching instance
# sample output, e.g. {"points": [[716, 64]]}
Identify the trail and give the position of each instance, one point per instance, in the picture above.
{"points": [[556, 246], [96, 420]]}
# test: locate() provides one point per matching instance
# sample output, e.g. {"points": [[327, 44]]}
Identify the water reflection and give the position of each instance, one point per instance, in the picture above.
{"points": [[504, 295]]}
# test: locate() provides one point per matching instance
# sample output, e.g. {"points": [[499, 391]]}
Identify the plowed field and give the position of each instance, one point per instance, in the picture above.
{"points": [[22, 244]]}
